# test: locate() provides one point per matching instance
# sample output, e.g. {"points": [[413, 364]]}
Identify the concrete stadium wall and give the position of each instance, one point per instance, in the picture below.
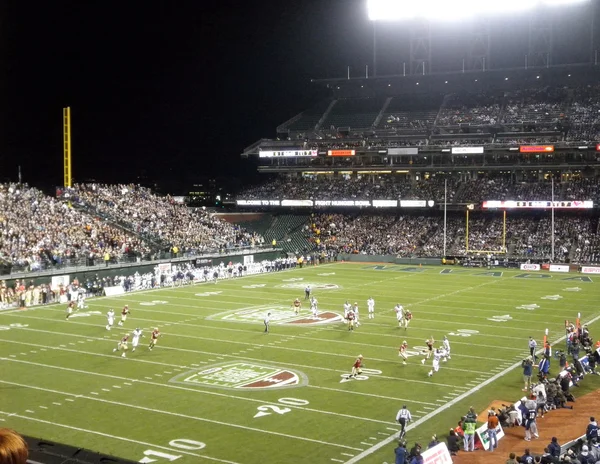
{"points": [[387, 259]]}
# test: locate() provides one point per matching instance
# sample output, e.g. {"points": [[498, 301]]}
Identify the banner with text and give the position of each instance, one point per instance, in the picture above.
{"points": [[588, 204], [467, 150], [530, 267], [287, 153], [439, 454], [559, 268], [590, 270], [536, 148], [341, 152], [403, 151], [257, 202], [342, 203]]}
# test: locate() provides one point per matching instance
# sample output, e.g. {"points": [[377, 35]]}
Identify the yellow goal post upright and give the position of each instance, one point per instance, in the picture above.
{"points": [[67, 178], [494, 252]]}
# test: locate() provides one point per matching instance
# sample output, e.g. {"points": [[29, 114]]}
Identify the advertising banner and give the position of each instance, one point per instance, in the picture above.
{"points": [[416, 203], [536, 148], [341, 152], [559, 268], [539, 204], [530, 267], [481, 433], [164, 268], [248, 259], [288, 153], [296, 202], [57, 281], [257, 202], [342, 203], [114, 291], [385, 203], [439, 454], [467, 150], [403, 151], [590, 270]]}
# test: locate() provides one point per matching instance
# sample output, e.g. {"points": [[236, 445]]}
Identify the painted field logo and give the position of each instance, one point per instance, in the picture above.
{"points": [[504, 318], [313, 286], [242, 376], [279, 315], [552, 297]]}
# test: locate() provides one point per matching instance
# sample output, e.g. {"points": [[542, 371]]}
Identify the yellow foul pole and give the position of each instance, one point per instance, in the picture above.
{"points": [[67, 146]]}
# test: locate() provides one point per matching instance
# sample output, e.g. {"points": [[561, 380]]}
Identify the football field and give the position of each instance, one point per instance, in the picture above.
{"points": [[216, 388]]}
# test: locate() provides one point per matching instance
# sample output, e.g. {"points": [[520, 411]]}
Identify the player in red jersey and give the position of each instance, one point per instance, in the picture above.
{"points": [[154, 338], [350, 317], [429, 350], [124, 312], [402, 351], [296, 306], [70, 309], [122, 345], [356, 367]]}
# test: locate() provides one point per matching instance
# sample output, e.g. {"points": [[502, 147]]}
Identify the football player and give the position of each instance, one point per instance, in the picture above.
{"points": [[154, 338], [124, 312], [267, 321], [350, 318], [429, 350], [356, 367], [296, 306], [314, 308], [122, 345], [137, 334], [371, 307], [407, 316], [399, 309], [81, 299], [307, 292], [110, 319], [437, 355], [347, 308], [70, 309], [355, 311], [402, 351], [446, 346]]}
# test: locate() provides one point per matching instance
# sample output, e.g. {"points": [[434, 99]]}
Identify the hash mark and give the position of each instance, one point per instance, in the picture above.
{"points": [[29, 410], [94, 393], [57, 404], [43, 407], [105, 389], [69, 399], [116, 386]]}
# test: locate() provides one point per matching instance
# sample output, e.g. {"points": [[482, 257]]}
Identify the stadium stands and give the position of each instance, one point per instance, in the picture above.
{"points": [[355, 113]]}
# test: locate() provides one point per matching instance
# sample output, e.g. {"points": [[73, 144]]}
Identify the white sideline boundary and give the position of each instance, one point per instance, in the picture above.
{"points": [[391, 438]]}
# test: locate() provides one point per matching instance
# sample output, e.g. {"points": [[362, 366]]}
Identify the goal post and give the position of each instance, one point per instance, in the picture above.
{"points": [[502, 251]]}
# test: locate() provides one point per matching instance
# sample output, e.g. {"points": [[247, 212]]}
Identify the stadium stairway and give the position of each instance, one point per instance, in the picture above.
{"points": [[288, 230]]}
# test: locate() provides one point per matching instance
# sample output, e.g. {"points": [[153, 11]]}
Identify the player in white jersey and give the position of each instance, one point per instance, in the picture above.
{"points": [[347, 308], [446, 346], [371, 307], [399, 309], [355, 310], [437, 355], [314, 307], [81, 299], [136, 335], [110, 319]]}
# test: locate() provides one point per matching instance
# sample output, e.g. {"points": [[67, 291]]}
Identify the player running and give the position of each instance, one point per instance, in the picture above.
{"points": [[355, 311], [356, 367], [429, 350], [439, 354], [402, 351], [124, 313], [110, 319], [371, 307], [81, 299], [399, 309], [350, 318], [154, 338], [446, 346], [70, 309], [407, 317], [137, 334], [122, 345], [314, 308], [296, 306], [347, 308]]}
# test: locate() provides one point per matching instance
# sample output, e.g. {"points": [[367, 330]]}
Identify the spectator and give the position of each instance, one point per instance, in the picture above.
{"points": [[591, 431], [453, 442], [13, 448], [400, 452], [512, 459], [492, 424], [554, 448], [470, 424], [527, 458], [434, 442], [584, 456]]}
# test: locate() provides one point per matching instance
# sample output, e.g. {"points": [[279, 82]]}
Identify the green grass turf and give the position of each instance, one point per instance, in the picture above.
{"points": [[61, 380]]}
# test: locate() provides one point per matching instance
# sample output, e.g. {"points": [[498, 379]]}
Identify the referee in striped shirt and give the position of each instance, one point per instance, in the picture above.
{"points": [[403, 417]]}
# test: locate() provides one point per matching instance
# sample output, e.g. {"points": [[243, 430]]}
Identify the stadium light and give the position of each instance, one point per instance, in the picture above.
{"points": [[396, 10]]}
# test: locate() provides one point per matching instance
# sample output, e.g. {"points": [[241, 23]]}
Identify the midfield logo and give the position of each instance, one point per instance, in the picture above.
{"points": [[242, 375], [279, 315], [313, 286]]}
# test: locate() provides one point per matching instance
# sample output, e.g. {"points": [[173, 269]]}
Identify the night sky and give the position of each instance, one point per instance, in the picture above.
{"points": [[168, 92]]}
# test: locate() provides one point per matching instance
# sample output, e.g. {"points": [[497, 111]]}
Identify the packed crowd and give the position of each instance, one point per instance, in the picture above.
{"points": [[432, 188], [161, 218], [37, 230], [462, 109]]}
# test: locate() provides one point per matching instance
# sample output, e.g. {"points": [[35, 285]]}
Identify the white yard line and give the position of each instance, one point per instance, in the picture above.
{"points": [[204, 392], [106, 435], [448, 405], [186, 416]]}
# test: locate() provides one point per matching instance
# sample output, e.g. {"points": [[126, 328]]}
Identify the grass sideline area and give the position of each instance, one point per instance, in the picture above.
{"points": [[218, 389]]}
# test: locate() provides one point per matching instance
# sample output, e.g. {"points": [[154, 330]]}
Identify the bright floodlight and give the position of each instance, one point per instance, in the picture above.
{"points": [[395, 10]]}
